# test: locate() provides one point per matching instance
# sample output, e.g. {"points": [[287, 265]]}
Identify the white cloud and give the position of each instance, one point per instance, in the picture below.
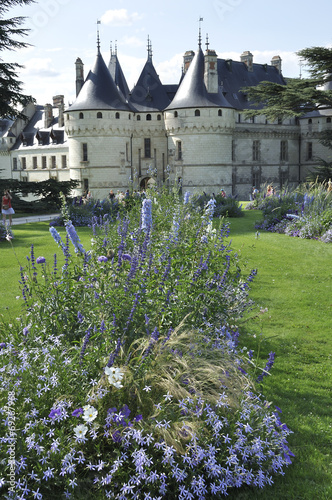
{"points": [[119, 17], [132, 41], [170, 71], [39, 67]]}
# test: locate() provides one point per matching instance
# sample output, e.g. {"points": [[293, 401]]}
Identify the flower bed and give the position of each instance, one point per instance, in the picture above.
{"points": [[305, 213], [125, 376]]}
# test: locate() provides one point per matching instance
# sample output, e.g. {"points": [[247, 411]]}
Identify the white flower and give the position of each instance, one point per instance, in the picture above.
{"points": [[90, 413], [115, 375], [80, 430]]}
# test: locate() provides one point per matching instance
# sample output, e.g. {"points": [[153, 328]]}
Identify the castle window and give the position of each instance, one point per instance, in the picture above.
{"points": [[328, 119], [283, 150], [279, 121], [129, 116], [99, 114], [283, 177], [14, 163], [84, 151], [53, 161], [239, 118], [252, 119], [34, 162], [24, 163], [147, 148], [138, 117], [309, 150], [43, 161], [175, 114], [219, 112], [197, 112], [233, 150], [117, 116], [81, 116], [64, 161], [148, 117], [256, 179], [178, 150], [158, 118], [310, 121], [256, 150]]}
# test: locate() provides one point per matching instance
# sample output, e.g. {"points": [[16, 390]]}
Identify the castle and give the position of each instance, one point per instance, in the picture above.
{"points": [[193, 132]]}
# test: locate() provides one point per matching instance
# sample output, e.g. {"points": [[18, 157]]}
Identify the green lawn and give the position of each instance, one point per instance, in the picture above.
{"points": [[294, 282]]}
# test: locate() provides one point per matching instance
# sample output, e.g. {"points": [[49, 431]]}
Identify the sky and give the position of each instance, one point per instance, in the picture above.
{"points": [[62, 30]]}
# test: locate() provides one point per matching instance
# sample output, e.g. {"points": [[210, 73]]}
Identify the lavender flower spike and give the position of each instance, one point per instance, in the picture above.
{"points": [[146, 215]]}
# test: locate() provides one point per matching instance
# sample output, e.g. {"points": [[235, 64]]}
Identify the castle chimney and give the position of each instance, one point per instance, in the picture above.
{"points": [[58, 102], [79, 75], [210, 71], [276, 62], [248, 59], [187, 58], [48, 115]]}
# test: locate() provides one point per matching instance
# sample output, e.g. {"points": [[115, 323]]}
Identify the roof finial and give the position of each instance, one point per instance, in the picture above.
{"points": [[199, 33], [98, 40], [149, 49], [111, 49], [116, 48], [207, 43]]}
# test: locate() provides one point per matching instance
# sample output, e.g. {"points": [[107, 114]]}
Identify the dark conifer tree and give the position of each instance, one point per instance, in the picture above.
{"points": [[11, 33]]}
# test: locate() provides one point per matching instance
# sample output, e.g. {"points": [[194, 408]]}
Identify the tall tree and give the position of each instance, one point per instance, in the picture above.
{"points": [[11, 32], [298, 96]]}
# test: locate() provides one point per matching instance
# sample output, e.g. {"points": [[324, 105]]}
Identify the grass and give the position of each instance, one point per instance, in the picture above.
{"points": [[294, 282]]}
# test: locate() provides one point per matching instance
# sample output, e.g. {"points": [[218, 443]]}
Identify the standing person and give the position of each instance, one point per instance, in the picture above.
{"points": [[6, 206]]}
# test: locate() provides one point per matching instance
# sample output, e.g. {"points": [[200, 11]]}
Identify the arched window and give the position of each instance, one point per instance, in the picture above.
{"points": [[197, 112], [138, 117], [117, 116], [219, 112], [158, 118], [175, 114], [129, 116], [81, 116], [148, 117], [328, 119], [99, 114], [310, 121]]}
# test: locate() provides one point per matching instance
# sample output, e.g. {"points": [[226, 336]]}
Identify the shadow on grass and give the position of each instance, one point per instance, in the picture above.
{"points": [[244, 225]]}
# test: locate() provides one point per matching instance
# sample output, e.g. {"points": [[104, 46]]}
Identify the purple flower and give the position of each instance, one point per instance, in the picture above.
{"points": [[25, 331], [146, 215], [78, 412], [138, 418], [55, 412], [3, 345], [102, 258], [126, 256], [40, 260]]}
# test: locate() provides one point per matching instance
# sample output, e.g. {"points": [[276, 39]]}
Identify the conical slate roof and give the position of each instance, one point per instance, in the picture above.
{"points": [[117, 75], [99, 91], [149, 93], [192, 92]]}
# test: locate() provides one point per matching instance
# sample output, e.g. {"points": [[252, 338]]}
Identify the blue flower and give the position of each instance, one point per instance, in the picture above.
{"points": [[102, 258], [40, 260]]}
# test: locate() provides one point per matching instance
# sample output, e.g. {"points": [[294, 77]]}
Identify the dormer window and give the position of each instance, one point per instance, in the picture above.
{"points": [[197, 112], [99, 114], [81, 116]]}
